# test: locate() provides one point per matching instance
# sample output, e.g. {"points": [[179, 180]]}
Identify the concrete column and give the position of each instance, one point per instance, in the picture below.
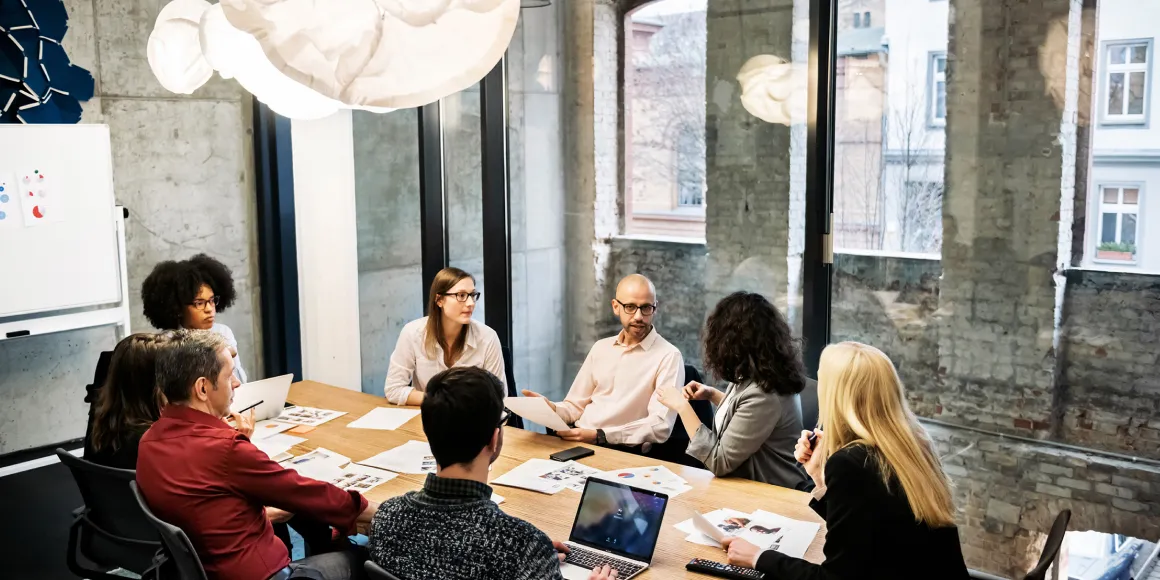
{"points": [[324, 209]]}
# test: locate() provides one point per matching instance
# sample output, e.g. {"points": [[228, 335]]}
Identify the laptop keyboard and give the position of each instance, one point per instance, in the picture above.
{"points": [[592, 560]]}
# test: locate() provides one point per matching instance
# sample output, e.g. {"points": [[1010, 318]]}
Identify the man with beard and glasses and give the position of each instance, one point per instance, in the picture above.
{"points": [[613, 400]]}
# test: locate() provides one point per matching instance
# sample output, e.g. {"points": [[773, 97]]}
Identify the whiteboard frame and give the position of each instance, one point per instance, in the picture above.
{"points": [[48, 322]]}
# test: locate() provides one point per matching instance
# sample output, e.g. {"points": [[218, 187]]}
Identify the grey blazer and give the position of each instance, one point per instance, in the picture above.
{"points": [[757, 438]]}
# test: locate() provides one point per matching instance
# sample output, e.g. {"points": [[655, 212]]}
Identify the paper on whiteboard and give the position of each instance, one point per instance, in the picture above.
{"points": [[384, 418], [536, 410], [38, 198]]}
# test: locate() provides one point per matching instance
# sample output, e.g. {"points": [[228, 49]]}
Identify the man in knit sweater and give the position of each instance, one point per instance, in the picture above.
{"points": [[451, 529]]}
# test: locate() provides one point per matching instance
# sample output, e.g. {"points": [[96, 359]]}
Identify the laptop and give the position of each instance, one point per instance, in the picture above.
{"points": [[272, 392], [617, 525]]}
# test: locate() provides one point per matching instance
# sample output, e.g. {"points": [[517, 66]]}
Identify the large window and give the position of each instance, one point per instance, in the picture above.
{"points": [[1119, 219], [938, 89], [1126, 82], [664, 96]]}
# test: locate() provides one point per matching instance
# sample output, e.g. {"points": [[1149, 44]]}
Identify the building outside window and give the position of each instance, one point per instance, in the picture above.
{"points": [[1119, 219], [1126, 82]]}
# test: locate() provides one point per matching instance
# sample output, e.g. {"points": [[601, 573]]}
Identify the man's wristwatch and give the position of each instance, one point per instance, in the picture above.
{"points": [[600, 438]]}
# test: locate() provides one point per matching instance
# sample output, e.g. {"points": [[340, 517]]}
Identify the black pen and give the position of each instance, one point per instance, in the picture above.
{"points": [[250, 407]]}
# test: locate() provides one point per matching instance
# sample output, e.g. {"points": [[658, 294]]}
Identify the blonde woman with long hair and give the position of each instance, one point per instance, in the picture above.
{"points": [[880, 485], [447, 337]]}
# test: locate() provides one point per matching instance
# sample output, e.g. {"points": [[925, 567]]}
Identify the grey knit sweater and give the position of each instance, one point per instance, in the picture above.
{"points": [[452, 530]]}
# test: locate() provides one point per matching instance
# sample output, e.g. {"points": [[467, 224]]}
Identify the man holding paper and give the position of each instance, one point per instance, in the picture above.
{"points": [[451, 529], [614, 397], [199, 474]]}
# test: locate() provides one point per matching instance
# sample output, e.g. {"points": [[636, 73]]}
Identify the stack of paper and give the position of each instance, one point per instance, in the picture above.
{"points": [[321, 464], [655, 478], [308, 416], [278, 446], [546, 476], [384, 419], [763, 529], [410, 457]]}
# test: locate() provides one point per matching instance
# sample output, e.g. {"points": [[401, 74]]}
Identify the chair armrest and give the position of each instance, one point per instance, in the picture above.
{"points": [[977, 575], [79, 512]]}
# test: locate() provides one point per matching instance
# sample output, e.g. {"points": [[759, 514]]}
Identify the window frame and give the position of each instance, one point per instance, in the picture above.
{"points": [[1098, 219], [1106, 69], [932, 79]]}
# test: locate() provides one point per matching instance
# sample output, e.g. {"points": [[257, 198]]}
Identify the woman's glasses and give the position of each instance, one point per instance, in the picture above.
{"points": [[463, 296], [200, 304]]}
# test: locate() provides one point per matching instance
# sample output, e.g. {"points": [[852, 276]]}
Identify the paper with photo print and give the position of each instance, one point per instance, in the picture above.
{"points": [[411, 457], [308, 416], [361, 478], [766, 530], [542, 475], [321, 464]]}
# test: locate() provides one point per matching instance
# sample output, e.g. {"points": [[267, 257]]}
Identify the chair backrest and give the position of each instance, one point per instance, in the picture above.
{"points": [[509, 370], [809, 402], [1051, 547], [376, 572], [177, 545]]}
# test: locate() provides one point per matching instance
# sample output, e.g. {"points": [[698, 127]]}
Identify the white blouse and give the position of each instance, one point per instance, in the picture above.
{"points": [[411, 368]]}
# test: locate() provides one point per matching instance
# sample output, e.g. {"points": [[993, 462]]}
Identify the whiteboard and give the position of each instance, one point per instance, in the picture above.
{"points": [[58, 237]]}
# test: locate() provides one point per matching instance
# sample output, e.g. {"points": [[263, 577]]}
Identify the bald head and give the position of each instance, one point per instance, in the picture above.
{"points": [[636, 286]]}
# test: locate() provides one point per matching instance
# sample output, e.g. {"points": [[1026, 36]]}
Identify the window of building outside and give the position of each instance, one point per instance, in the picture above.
{"points": [[1119, 213], [938, 89], [664, 97], [1126, 82]]}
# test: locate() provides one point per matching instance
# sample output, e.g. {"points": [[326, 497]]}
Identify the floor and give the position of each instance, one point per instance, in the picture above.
{"points": [[37, 507]]}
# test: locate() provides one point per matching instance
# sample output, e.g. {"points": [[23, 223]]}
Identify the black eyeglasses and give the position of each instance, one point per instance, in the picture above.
{"points": [[503, 417], [463, 296], [645, 309], [200, 304]]}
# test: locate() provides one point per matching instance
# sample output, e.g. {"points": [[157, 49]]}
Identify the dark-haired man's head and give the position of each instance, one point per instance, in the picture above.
{"points": [[462, 412]]}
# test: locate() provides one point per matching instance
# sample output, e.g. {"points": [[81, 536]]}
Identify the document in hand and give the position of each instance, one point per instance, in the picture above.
{"points": [[384, 419], [546, 476], [410, 457], [536, 410], [763, 529]]}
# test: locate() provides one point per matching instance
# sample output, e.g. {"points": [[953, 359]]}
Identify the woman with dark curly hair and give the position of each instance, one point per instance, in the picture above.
{"points": [[758, 419], [189, 294]]}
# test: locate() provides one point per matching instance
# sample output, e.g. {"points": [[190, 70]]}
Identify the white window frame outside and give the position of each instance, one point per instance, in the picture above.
{"points": [[1108, 69], [933, 79], [1119, 209]]}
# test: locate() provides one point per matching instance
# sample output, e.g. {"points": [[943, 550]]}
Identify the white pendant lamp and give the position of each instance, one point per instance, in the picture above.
{"points": [[173, 49]]}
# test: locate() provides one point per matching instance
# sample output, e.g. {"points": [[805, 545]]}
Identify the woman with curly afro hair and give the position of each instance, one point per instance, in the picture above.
{"points": [[189, 294], [758, 418]]}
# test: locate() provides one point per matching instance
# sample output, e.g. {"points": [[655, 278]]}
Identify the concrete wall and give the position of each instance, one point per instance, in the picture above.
{"points": [[182, 165]]}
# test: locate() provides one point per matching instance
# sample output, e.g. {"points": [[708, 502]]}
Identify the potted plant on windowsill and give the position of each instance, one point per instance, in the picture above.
{"points": [[1116, 251]]}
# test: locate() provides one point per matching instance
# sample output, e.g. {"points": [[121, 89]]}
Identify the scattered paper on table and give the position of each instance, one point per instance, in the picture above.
{"points": [[766, 530], [537, 410], [655, 478], [546, 476], [276, 445], [321, 464], [497, 498], [279, 458], [410, 457], [264, 429], [361, 478], [308, 416], [384, 418]]}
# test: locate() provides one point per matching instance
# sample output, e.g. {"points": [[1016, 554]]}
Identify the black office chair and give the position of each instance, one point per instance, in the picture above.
{"points": [[375, 572], [183, 560], [1050, 551], [674, 448], [515, 420], [109, 531]]}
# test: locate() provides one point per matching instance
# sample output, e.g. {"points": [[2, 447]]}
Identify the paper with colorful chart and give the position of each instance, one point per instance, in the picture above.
{"points": [[655, 478], [9, 207], [37, 198]]}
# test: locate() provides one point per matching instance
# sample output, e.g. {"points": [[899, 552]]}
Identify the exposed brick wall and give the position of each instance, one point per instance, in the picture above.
{"points": [[1111, 379]]}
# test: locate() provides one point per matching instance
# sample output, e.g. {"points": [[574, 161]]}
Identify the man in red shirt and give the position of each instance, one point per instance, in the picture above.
{"points": [[203, 476]]}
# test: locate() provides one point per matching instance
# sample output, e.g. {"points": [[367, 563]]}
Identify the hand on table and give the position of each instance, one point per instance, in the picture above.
{"points": [[244, 424], [579, 435], [278, 516], [810, 460], [741, 553], [528, 393]]}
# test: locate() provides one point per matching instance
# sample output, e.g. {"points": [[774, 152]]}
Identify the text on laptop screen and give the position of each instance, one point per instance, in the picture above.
{"points": [[619, 519]]}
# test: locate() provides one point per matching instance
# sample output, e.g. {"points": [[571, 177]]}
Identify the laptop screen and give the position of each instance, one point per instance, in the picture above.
{"points": [[620, 519]]}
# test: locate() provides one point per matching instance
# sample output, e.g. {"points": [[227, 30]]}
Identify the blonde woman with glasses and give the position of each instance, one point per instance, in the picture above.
{"points": [[880, 485]]}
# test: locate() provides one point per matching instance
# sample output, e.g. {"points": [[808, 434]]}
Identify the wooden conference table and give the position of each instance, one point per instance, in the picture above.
{"points": [[554, 513]]}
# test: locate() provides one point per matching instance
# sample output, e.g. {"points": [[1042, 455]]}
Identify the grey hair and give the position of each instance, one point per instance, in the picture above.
{"points": [[190, 355]]}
